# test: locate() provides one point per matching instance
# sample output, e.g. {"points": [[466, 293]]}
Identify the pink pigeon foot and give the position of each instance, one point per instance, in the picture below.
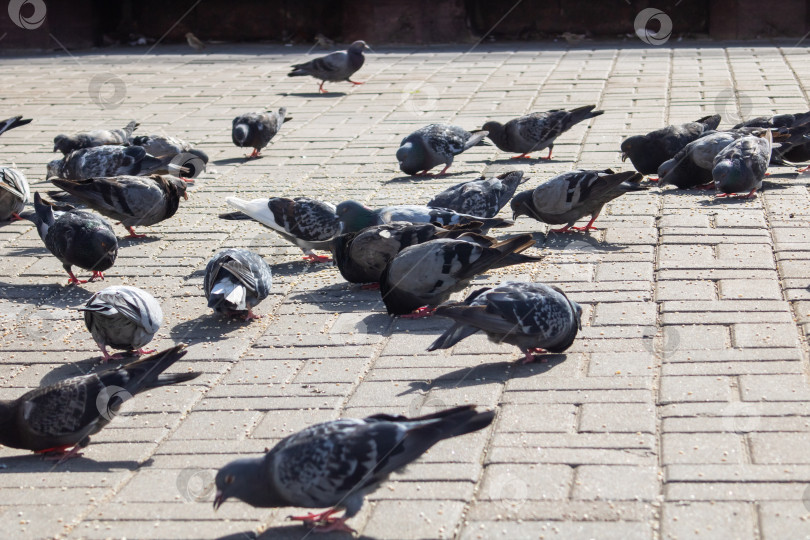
{"points": [[317, 258], [420, 313]]}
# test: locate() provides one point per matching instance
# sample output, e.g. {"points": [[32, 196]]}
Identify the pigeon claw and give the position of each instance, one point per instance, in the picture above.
{"points": [[706, 187], [59, 454], [522, 156], [146, 351], [133, 234], [250, 315], [15, 217], [653, 179], [254, 154], [74, 280], [96, 275], [803, 169], [420, 313], [356, 83], [332, 524], [587, 227], [565, 229], [311, 257], [321, 89], [529, 358]]}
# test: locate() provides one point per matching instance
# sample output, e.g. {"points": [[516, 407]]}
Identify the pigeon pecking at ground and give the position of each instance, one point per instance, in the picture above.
{"points": [[536, 131], [108, 160], [336, 464], [308, 223], [13, 122], [191, 161], [51, 419], [236, 280], [132, 200], [124, 318], [255, 130], [795, 153], [423, 276], [536, 318], [572, 195], [98, 137], [435, 144], [484, 197], [76, 238], [336, 66], [741, 166], [14, 193]]}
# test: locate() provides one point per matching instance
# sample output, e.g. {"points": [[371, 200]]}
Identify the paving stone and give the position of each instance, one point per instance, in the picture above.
{"points": [[710, 520]]}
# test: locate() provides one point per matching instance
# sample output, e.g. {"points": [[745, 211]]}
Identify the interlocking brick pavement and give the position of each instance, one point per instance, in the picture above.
{"points": [[680, 411]]}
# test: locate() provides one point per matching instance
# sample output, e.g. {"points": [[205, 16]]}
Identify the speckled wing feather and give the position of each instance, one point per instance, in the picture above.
{"points": [[140, 308], [308, 219], [484, 197], [247, 267], [14, 192], [63, 409]]}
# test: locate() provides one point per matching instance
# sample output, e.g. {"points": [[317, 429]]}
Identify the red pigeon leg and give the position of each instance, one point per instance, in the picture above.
{"points": [[723, 195], [74, 280], [803, 169], [255, 154], [356, 83], [549, 154], [443, 170], [146, 351], [420, 313], [423, 173], [589, 226], [251, 315], [15, 217], [132, 233], [522, 156], [311, 257], [187, 180], [321, 89], [751, 194], [706, 187], [562, 230], [59, 454], [333, 524], [370, 287], [530, 355], [97, 274], [313, 517], [653, 179]]}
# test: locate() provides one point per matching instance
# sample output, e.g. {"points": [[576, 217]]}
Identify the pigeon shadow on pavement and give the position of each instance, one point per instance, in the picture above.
{"points": [[575, 242], [229, 161], [83, 367], [295, 268], [329, 94], [33, 463], [293, 531], [418, 178], [148, 239], [208, 327], [520, 161], [51, 294]]}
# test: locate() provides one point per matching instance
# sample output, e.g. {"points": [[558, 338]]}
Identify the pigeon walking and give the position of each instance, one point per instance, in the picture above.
{"points": [[132, 200], [425, 275], [536, 131], [124, 318], [189, 160], [336, 66], [572, 195], [98, 137], [103, 161], [14, 193], [254, 130], [536, 318], [308, 223], [51, 419], [741, 166], [76, 238], [484, 197], [236, 280], [13, 122], [336, 464], [435, 144]]}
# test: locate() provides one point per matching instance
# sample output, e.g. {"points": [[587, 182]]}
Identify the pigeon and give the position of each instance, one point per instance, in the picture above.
{"points": [[536, 131], [648, 152], [433, 145], [308, 223], [13, 122], [194, 42], [257, 129], [484, 197], [132, 200], [776, 121], [336, 66], [786, 154], [192, 162], [741, 165], [337, 463], [356, 217], [102, 161], [76, 238], [14, 193], [236, 280], [98, 137], [51, 419], [427, 274], [122, 317], [692, 165], [361, 257], [569, 196], [535, 317]]}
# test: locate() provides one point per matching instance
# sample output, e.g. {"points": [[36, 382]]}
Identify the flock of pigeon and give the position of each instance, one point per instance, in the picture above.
{"points": [[416, 255]]}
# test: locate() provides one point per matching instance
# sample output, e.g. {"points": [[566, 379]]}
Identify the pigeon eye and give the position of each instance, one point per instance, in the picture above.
{"points": [[229, 479]]}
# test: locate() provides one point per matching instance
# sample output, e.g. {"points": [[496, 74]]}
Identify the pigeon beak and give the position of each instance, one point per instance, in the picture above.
{"points": [[514, 216], [624, 156], [218, 500], [185, 196]]}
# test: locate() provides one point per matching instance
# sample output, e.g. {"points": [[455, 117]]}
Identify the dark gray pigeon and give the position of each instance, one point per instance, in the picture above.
{"points": [[534, 317], [337, 463], [52, 419], [741, 166], [308, 223], [356, 217], [427, 274], [102, 161], [435, 144], [785, 154], [692, 166], [132, 200], [533, 132], [190, 160], [336, 66], [572, 195], [484, 197], [254, 130], [124, 318], [236, 280], [98, 137], [76, 238], [13, 122], [648, 152], [14, 193]]}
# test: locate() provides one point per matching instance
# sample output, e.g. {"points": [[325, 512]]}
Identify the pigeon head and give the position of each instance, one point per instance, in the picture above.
{"points": [[180, 185], [728, 175], [240, 134], [354, 216], [358, 47], [631, 146], [64, 144], [522, 204], [55, 168], [496, 132], [411, 157], [244, 479]]}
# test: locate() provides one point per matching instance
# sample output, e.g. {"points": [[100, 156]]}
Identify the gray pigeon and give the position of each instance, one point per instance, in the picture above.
{"points": [[336, 464], [122, 317], [52, 419], [132, 200], [355, 217], [257, 129], [190, 160], [236, 280], [572, 195], [427, 274], [435, 144], [785, 154], [532, 316], [536, 131], [14, 193], [13, 122], [76, 238], [308, 223], [692, 165], [102, 161], [336, 66], [484, 197], [741, 166], [98, 137]]}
